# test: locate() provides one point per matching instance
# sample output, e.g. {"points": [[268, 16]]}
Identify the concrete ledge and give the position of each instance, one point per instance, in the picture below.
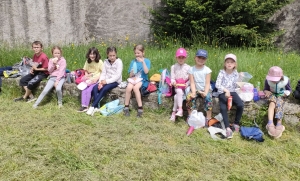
{"points": [[292, 107]]}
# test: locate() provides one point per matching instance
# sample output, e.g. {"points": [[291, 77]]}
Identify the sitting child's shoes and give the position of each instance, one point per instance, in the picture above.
{"points": [[278, 131], [139, 113], [173, 116], [126, 111], [271, 129], [236, 127], [90, 111], [179, 113]]}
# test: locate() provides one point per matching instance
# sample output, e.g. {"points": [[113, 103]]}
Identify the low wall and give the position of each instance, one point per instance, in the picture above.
{"points": [[292, 107]]}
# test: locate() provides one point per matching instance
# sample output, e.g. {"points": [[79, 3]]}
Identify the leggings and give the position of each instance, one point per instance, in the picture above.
{"points": [[236, 100], [48, 87]]}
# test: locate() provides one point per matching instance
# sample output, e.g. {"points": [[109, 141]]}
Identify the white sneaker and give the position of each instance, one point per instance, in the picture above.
{"points": [[179, 113], [90, 111], [95, 110]]}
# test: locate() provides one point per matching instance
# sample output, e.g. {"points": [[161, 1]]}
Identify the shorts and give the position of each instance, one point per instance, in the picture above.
{"points": [[191, 102]]}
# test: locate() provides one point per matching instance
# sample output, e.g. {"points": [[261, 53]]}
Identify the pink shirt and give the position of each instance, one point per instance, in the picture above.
{"points": [[58, 70]]}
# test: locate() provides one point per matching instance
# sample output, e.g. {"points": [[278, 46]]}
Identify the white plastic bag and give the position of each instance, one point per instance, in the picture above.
{"points": [[197, 119]]}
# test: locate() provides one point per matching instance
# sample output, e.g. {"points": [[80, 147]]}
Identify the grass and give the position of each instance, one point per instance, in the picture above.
{"points": [[60, 144]]}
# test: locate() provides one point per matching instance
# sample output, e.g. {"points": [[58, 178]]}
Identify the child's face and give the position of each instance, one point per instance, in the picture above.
{"points": [[230, 64], [92, 56], [112, 56], [181, 59], [138, 54], [37, 49], [56, 53], [200, 61]]}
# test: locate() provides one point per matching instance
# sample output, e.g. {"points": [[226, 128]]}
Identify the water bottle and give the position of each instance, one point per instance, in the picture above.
{"points": [[255, 96]]}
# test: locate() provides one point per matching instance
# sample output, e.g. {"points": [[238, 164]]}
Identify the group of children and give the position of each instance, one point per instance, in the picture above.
{"points": [[189, 83]]}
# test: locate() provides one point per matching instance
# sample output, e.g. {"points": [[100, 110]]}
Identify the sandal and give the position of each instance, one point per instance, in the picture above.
{"points": [[271, 129], [278, 131]]}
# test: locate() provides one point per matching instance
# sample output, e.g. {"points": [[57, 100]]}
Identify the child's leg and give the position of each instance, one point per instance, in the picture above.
{"points": [[137, 93], [279, 112], [179, 94], [86, 95], [128, 93], [47, 88], [208, 105], [175, 106], [239, 107], [59, 90], [271, 110], [102, 93], [33, 83], [223, 109]]}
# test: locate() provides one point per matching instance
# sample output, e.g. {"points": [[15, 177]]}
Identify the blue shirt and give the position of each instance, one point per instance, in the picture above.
{"points": [[140, 70]]}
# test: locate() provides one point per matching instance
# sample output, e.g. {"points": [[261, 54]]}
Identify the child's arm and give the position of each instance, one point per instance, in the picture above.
{"points": [[62, 70], [51, 66], [173, 75], [207, 84], [193, 86], [219, 85], [146, 66]]}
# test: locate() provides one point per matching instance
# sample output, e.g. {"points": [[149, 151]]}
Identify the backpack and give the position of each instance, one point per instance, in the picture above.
{"points": [[79, 73], [164, 85], [296, 92]]}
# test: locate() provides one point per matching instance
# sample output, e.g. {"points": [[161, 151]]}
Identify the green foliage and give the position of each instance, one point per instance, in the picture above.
{"points": [[233, 22]]}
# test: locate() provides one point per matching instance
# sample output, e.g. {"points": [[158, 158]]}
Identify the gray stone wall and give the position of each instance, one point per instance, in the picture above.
{"points": [[73, 21]]}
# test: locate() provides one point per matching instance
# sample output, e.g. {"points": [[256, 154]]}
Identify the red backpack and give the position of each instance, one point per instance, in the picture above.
{"points": [[79, 73]]}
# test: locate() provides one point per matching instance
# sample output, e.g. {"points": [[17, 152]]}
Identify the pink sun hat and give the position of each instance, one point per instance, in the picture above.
{"points": [[275, 74], [181, 52]]}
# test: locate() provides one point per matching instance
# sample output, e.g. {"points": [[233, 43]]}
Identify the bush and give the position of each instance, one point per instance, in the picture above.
{"points": [[234, 22]]}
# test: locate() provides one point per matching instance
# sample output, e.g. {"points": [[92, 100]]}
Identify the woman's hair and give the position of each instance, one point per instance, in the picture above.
{"points": [[56, 47], [37, 43], [111, 49], [139, 48], [95, 51]]}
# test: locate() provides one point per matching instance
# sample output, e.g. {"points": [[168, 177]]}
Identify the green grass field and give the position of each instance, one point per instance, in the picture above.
{"points": [[60, 144]]}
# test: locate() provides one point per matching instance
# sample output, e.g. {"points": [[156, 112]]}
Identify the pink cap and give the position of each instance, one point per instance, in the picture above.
{"points": [[230, 55], [275, 74], [181, 52]]}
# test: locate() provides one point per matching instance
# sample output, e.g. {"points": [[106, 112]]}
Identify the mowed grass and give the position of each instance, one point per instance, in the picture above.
{"points": [[60, 144]]}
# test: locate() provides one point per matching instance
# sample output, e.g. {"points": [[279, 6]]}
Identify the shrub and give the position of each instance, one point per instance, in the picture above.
{"points": [[234, 22]]}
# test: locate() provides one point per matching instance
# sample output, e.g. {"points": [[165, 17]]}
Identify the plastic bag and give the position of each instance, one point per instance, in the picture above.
{"points": [[111, 108], [197, 119], [244, 77]]}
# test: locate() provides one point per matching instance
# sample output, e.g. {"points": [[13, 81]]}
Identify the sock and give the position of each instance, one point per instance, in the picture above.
{"points": [[270, 122]]}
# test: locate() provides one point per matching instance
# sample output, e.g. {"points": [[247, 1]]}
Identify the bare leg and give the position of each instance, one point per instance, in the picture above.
{"points": [[137, 93], [128, 93]]}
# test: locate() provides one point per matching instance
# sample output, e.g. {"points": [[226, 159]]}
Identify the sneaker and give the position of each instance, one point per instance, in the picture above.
{"points": [[279, 130], [19, 99], [126, 111], [90, 111], [173, 116], [31, 99], [139, 113], [229, 134], [179, 113], [60, 106], [83, 109], [271, 129], [236, 127], [34, 106]]}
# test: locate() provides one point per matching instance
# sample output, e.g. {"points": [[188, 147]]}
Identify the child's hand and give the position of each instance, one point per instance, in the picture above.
{"points": [[54, 60], [267, 93], [55, 84], [227, 94], [103, 82], [203, 94], [193, 95], [139, 59], [100, 86]]}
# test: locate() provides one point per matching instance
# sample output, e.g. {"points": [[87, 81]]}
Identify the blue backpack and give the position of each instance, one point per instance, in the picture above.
{"points": [[252, 132]]}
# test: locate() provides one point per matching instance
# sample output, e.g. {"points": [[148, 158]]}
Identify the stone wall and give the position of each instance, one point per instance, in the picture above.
{"points": [[292, 107], [73, 21]]}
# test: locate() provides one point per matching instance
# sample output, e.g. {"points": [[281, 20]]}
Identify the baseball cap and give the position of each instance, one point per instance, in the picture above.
{"points": [[202, 53], [230, 55], [181, 52], [275, 73]]}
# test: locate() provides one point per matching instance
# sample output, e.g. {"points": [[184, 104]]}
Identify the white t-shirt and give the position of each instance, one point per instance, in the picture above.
{"points": [[199, 76]]}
